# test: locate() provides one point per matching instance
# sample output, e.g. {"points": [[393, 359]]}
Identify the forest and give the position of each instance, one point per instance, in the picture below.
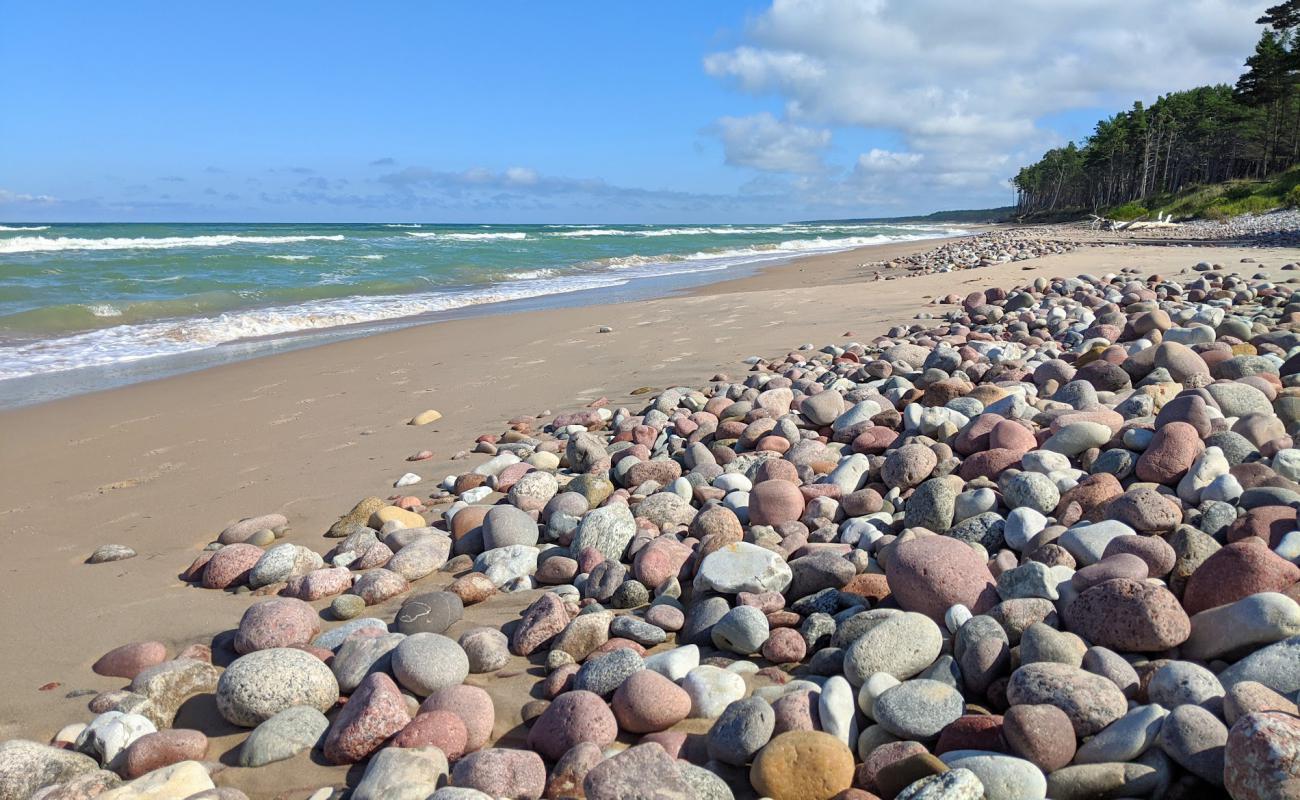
{"points": [[1235, 135]]}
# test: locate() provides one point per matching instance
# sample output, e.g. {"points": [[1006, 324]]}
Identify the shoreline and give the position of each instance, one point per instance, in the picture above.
{"points": [[163, 466], [35, 389]]}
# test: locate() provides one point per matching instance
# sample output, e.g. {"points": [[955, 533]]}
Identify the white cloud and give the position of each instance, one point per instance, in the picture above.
{"points": [[887, 160], [966, 86], [764, 142], [18, 198]]}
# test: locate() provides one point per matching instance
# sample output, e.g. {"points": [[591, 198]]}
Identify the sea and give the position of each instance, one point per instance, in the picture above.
{"points": [[88, 306]]}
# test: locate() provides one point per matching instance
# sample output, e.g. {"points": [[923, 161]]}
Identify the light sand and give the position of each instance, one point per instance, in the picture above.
{"points": [[164, 466]]}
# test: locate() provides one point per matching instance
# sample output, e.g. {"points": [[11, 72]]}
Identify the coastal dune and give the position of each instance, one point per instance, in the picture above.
{"points": [[163, 466]]}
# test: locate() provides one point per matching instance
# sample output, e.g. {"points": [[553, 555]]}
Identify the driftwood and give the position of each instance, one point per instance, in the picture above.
{"points": [[1161, 221]]}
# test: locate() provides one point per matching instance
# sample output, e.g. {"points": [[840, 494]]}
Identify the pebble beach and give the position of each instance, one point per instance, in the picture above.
{"points": [[1009, 516]]}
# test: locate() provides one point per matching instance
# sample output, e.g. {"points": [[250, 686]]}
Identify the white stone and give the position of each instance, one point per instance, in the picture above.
{"points": [[835, 708], [872, 689], [1208, 466], [408, 479], [110, 733], [1224, 488], [955, 617], [743, 567], [711, 690], [676, 663], [1023, 524], [505, 564]]}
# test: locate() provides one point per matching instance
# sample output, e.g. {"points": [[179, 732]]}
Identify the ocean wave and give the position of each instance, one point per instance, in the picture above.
{"points": [[372, 257], [402, 225], [22, 228], [126, 343], [291, 258], [773, 250], [471, 237], [42, 244], [103, 310]]}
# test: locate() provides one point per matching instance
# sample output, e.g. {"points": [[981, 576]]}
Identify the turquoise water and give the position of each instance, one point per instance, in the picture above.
{"points": [[74, 296]]}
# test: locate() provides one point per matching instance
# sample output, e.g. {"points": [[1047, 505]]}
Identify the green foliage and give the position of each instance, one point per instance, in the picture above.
{"points": [[1213, 147], [1128, 211], [1293, 197]]}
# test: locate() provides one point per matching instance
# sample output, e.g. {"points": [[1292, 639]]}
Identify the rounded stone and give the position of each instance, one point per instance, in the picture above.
{"points": [[1170, 454], [918, 709], [129, 660], [742, 630], [802, 765], [743, 728], [280, 622], [1235, 571], [647, 702], [1129, 615], [775, 502], [441, 729], [1262, 757], [502, 772], [573, 717], [261, 684], [901, 645], [930, 574], [474, 707], [1040, 734], [426, 662], [1090, 701], [428, 612]]}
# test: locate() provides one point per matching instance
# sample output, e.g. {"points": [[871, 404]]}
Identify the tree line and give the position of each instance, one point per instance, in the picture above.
{"points": [[1210, 134]]}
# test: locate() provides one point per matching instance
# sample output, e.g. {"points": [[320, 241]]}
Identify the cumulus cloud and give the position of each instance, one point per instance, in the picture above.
{"points": [[966, 86], [764, 142]]}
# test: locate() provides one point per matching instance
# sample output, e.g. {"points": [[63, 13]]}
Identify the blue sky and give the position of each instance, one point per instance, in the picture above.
{"points": [[581, 111]]}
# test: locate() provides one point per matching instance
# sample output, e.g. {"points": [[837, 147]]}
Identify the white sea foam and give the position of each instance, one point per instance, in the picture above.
{"points": [[27, 228], [291, 258], [402, 225], [104, 310], [125, 343], [43, 244], [373, 257], [471, 237]]}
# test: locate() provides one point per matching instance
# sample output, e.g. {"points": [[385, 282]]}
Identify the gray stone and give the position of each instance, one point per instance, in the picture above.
{"points": [[1182, 682], [918, 709], [1125, 739], [1003, 777], [742, 630], [505, 525], [902, 646], [359, 656], [955, 784], [400, 773], [331, 639], [487, 649], [259, 685], [425, 662], [27, 766], [606, 673], [743, 728], [284, 735], [1276, 666], [429, 612], [638, 630], [1195, 739], [1031, 490], [743, 567]]}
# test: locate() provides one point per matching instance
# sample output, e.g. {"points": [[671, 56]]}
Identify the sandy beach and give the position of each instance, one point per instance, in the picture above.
{"points": [[164, 466]]}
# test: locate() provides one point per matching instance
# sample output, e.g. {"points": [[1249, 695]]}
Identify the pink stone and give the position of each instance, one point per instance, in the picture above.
{"points": [[1235, 571], [319, 583], [785, 646], [930, 574], [660, 560], [541, 622], [573, 717], [230, 565], [128, 660], [474, 707], [163, 748], [375, 711], [379, 585], [648, 702], [775, 502], [499, 772], [282, 622], [444, 730]]}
